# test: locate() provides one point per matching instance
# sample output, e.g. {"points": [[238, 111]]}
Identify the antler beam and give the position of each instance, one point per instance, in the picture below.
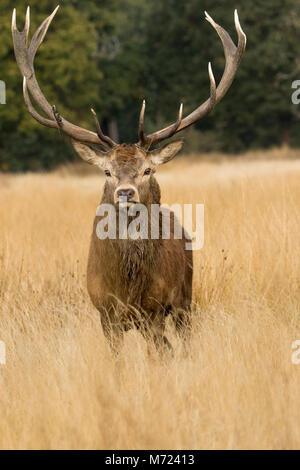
{"points": [[233, 56], [25, 59]]}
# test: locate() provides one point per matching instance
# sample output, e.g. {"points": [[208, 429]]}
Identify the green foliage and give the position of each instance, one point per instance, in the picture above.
{"points": [[68, 76], [112, 54], [257, 111]]}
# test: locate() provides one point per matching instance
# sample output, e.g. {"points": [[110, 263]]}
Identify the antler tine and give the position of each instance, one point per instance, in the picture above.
{"points": [[40, 34], [172, 129], [42, 120], [177, 123], [27, 23], [25, 58], [146, 141], [211, 102], [242, 38], [213, 88], [233, 56], [108, 143], [142, 139]]}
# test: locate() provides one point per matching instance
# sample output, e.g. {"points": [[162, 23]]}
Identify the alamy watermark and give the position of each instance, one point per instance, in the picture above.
{"points": [[136, 221], [296, 352], [2, 92], [2, 353], [296, 94]]}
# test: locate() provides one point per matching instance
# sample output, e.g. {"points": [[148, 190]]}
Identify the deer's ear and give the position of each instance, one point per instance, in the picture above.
{"points": [[90, 154], [166, 153]]}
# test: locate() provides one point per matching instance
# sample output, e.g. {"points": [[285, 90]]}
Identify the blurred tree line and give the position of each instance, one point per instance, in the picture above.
{"points": [[111, 54]]}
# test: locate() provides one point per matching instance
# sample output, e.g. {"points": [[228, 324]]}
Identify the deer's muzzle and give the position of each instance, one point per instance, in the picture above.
{"points": [[125, 195]]}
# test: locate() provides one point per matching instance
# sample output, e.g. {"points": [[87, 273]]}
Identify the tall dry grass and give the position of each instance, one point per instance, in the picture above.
{"points": [[237, 388]]}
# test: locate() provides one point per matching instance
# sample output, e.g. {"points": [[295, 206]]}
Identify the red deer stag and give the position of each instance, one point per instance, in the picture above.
{"points": [[131, 282]]}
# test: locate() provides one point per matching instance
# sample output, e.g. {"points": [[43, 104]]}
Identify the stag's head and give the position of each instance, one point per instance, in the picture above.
{"points": [[129, 168]]}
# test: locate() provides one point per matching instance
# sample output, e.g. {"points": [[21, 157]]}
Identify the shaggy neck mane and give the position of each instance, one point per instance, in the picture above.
{"points": [[128, 264]]}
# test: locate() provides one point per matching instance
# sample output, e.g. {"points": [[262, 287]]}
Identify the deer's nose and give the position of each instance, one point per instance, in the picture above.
{"points": [[128, 193]]}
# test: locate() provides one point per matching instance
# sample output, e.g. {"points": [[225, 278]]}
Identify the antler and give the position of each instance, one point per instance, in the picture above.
{"points": [[25, 58], [233, 56]]}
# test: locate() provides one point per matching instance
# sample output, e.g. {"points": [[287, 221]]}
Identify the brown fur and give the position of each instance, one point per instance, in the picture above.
{"points": [[139, 282]]}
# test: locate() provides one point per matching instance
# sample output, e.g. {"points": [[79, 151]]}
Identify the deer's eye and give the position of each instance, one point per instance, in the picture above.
{"points": [[147, 171], [107, 172]]}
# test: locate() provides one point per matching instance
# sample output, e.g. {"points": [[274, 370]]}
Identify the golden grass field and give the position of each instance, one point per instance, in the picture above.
{"points": [[237, 389]]}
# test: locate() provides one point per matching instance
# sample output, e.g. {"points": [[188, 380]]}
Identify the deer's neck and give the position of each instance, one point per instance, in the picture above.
{"points": [[128, 264]]}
